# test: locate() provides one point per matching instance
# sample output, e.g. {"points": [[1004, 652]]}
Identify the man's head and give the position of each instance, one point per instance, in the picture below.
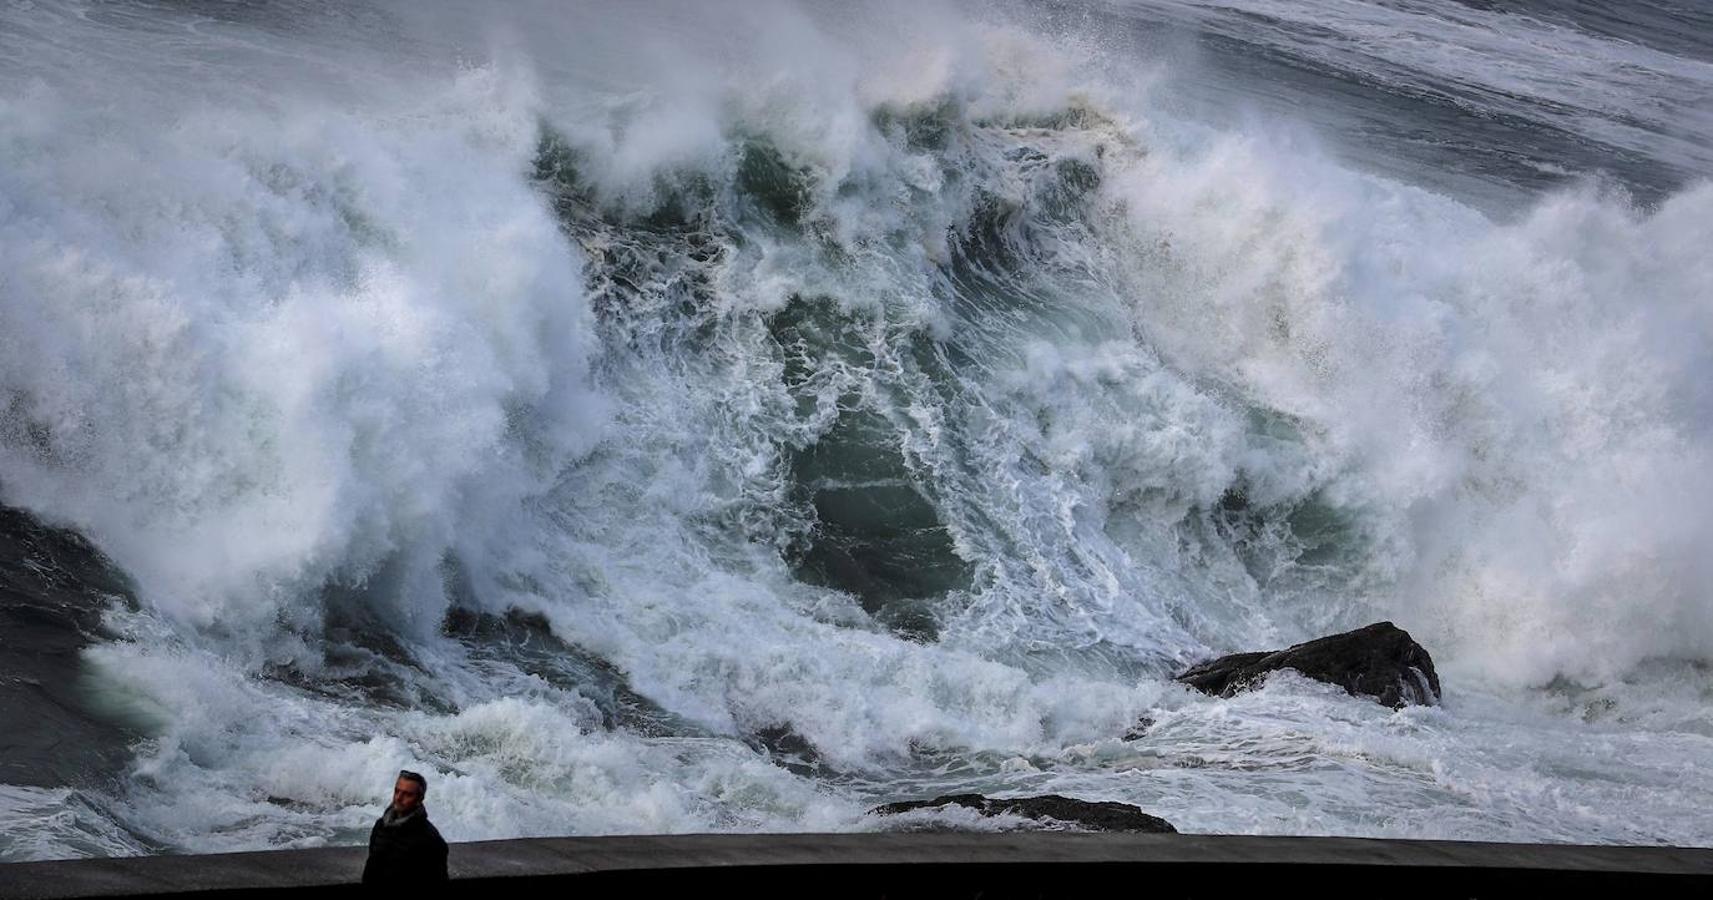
{"points": [[408, 792]]}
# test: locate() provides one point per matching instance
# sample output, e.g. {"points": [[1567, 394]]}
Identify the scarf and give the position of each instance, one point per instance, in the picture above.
{"points": [[392, 819]]}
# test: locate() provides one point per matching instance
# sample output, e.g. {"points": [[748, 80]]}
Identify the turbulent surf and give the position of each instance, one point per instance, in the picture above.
{"points": [[677, 417]]}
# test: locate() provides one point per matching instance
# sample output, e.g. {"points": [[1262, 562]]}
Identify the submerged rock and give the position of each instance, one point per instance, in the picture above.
{"points": [[791, 751], [1139, 730], [55, 587], [1379, 661], [1088, 815]]}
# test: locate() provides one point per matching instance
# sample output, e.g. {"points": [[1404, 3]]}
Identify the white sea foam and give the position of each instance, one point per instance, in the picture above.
{"points": [[249, 352], [305, 365], [1518, 410], [53, 823]]}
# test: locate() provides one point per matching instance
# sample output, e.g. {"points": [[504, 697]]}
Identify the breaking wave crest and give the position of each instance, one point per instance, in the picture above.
{"points": [[902, 404]]}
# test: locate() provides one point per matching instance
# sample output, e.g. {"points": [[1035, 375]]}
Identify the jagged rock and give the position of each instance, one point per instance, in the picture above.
{"points": [[1379, 661], [55, 587], [791, 751], [1088, 815], [1139, 730]]}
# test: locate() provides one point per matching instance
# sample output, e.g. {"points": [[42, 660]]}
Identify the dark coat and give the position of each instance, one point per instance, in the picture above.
{"points": [[411, 852]]}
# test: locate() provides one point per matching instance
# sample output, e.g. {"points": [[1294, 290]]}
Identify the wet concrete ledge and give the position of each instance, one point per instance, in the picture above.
{"points": [[895, 864]]}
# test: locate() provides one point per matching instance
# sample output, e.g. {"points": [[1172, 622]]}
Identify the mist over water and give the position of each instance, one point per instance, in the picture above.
{"points": [[670, 418]]}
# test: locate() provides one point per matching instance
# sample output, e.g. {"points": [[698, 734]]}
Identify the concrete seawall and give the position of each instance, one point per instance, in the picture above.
{"points": [[942, 865]]}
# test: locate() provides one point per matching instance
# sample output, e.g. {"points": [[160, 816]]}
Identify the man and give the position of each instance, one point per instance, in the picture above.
{"points": [[405, 848]]}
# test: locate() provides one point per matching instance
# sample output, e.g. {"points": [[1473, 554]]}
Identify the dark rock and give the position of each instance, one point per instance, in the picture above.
{"points": [[1226, 675], [1140, 729], [1087, 815], [526, 640], [791, 751], [1379, 661], [55, 587]]}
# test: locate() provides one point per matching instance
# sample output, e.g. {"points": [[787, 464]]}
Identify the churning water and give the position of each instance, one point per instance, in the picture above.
{"points": [[670, 417]]}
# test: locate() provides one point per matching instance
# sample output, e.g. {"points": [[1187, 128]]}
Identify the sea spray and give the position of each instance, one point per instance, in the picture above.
{"points": [[646, 436]]}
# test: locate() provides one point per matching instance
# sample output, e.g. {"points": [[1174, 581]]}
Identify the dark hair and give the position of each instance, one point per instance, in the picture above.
{"points": [[421, 782]]}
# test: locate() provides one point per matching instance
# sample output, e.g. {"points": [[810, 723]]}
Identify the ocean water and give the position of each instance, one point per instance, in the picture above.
{"points": [[672, 417]]}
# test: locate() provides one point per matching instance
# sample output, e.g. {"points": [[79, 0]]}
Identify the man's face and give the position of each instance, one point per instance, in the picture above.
{"points": [[407, 796]]}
